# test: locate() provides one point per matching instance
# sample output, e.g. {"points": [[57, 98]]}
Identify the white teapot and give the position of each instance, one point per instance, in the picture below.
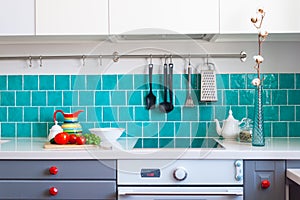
{"points": [[230, 129]]}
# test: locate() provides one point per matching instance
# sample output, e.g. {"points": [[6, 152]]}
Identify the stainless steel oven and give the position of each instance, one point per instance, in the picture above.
{"points": [[180, 179]]}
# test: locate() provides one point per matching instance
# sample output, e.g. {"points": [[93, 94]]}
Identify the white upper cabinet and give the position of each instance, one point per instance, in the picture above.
{"points": [[16, 17], [164, 16], [281, 16], [71, 17]]}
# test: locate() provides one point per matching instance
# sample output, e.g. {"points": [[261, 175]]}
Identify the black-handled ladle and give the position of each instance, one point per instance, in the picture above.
{"points": [[150, 98]]}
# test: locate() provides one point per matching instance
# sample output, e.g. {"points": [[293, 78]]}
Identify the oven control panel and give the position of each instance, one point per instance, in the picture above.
{"points": [[180, 172]]}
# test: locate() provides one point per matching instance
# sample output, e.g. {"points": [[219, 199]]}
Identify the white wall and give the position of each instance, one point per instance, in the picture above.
{"points": [[280, 57]]}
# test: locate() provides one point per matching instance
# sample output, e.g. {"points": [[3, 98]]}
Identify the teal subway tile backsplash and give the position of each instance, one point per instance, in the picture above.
{"points": [[293, 97], [54, 98], [3, 114], [270, 81], [125, 82], [62, 82], [86, 98], [93, 82], [280, 129], [31, 82], [15, 114], [287, 113], [24, 130], [23, 98], [15, 82], [297, 113], [78, 82], [31, 114], [222, 81], [8, 98], [238, 81], [46, 82], [286, 81], [3, 82], [294, 129], [231, 97], [109, 82], [175, 115], [166, 129], [10, 129], [297, 81], [118, 98], [27, 103], [279, 97]]}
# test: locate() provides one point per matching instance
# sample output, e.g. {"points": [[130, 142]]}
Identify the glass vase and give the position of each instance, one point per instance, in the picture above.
{"points": [[258, 138]]}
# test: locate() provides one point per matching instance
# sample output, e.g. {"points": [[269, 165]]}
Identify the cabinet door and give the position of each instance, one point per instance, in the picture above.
{"points": [[258, 171], [164, 17], [71, 17], [281, 16], [16, 17]]}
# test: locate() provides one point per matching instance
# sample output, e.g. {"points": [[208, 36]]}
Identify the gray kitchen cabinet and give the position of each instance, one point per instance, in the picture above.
{"points": [[264, 179], [17, 17], [293, 189], [58, 179], [71, 17]]}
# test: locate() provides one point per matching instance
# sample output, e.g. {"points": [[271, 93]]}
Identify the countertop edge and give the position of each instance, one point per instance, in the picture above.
{"points": [[294, 175]]}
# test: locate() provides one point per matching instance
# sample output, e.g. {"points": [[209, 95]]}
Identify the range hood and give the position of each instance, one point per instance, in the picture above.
{"points": [[137, 37]]}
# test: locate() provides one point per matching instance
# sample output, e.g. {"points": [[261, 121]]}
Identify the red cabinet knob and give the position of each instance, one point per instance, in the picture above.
{"points": [[53, 170], [53, 191], [265, 184]]}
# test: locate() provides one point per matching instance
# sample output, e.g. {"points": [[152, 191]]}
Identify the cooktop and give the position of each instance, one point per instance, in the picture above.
{"points": [[177, 143]]}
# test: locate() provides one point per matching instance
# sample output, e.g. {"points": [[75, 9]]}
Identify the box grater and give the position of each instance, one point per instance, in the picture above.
{"points": [[208, 85]]}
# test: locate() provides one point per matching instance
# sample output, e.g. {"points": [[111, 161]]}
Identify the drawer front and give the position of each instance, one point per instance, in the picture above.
{"points": [[65, 189], [66, 169]]}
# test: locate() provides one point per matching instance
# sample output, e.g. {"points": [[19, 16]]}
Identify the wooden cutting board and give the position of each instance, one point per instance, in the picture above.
{"points": [[48, 145]]}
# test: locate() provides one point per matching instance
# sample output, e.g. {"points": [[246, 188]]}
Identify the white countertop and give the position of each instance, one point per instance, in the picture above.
{"points": [[32, 148]]}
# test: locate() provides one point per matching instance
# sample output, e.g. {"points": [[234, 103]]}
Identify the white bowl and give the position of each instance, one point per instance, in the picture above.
{"points": [[108, 134]]}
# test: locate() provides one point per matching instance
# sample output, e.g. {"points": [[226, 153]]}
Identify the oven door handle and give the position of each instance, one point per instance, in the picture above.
{"points": [[132, 193]]}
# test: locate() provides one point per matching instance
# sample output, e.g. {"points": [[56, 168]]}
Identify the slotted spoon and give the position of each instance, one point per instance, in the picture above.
{"points": [[189, 100]]}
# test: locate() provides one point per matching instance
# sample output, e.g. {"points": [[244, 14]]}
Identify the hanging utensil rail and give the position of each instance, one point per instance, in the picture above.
{"points": [[116, 56]]}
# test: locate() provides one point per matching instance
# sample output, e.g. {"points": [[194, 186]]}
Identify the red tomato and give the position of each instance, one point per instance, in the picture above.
{"points": [[80, 140], [61, 138], [72, 138]]}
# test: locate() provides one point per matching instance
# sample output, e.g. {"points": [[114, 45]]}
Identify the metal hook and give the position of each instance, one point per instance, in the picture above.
{"points": [[41, 62], [207, 59], [189, 59], [30, 61], [83, 60], [116, 56], [100, 60], [170, 58], [151, 59]]}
